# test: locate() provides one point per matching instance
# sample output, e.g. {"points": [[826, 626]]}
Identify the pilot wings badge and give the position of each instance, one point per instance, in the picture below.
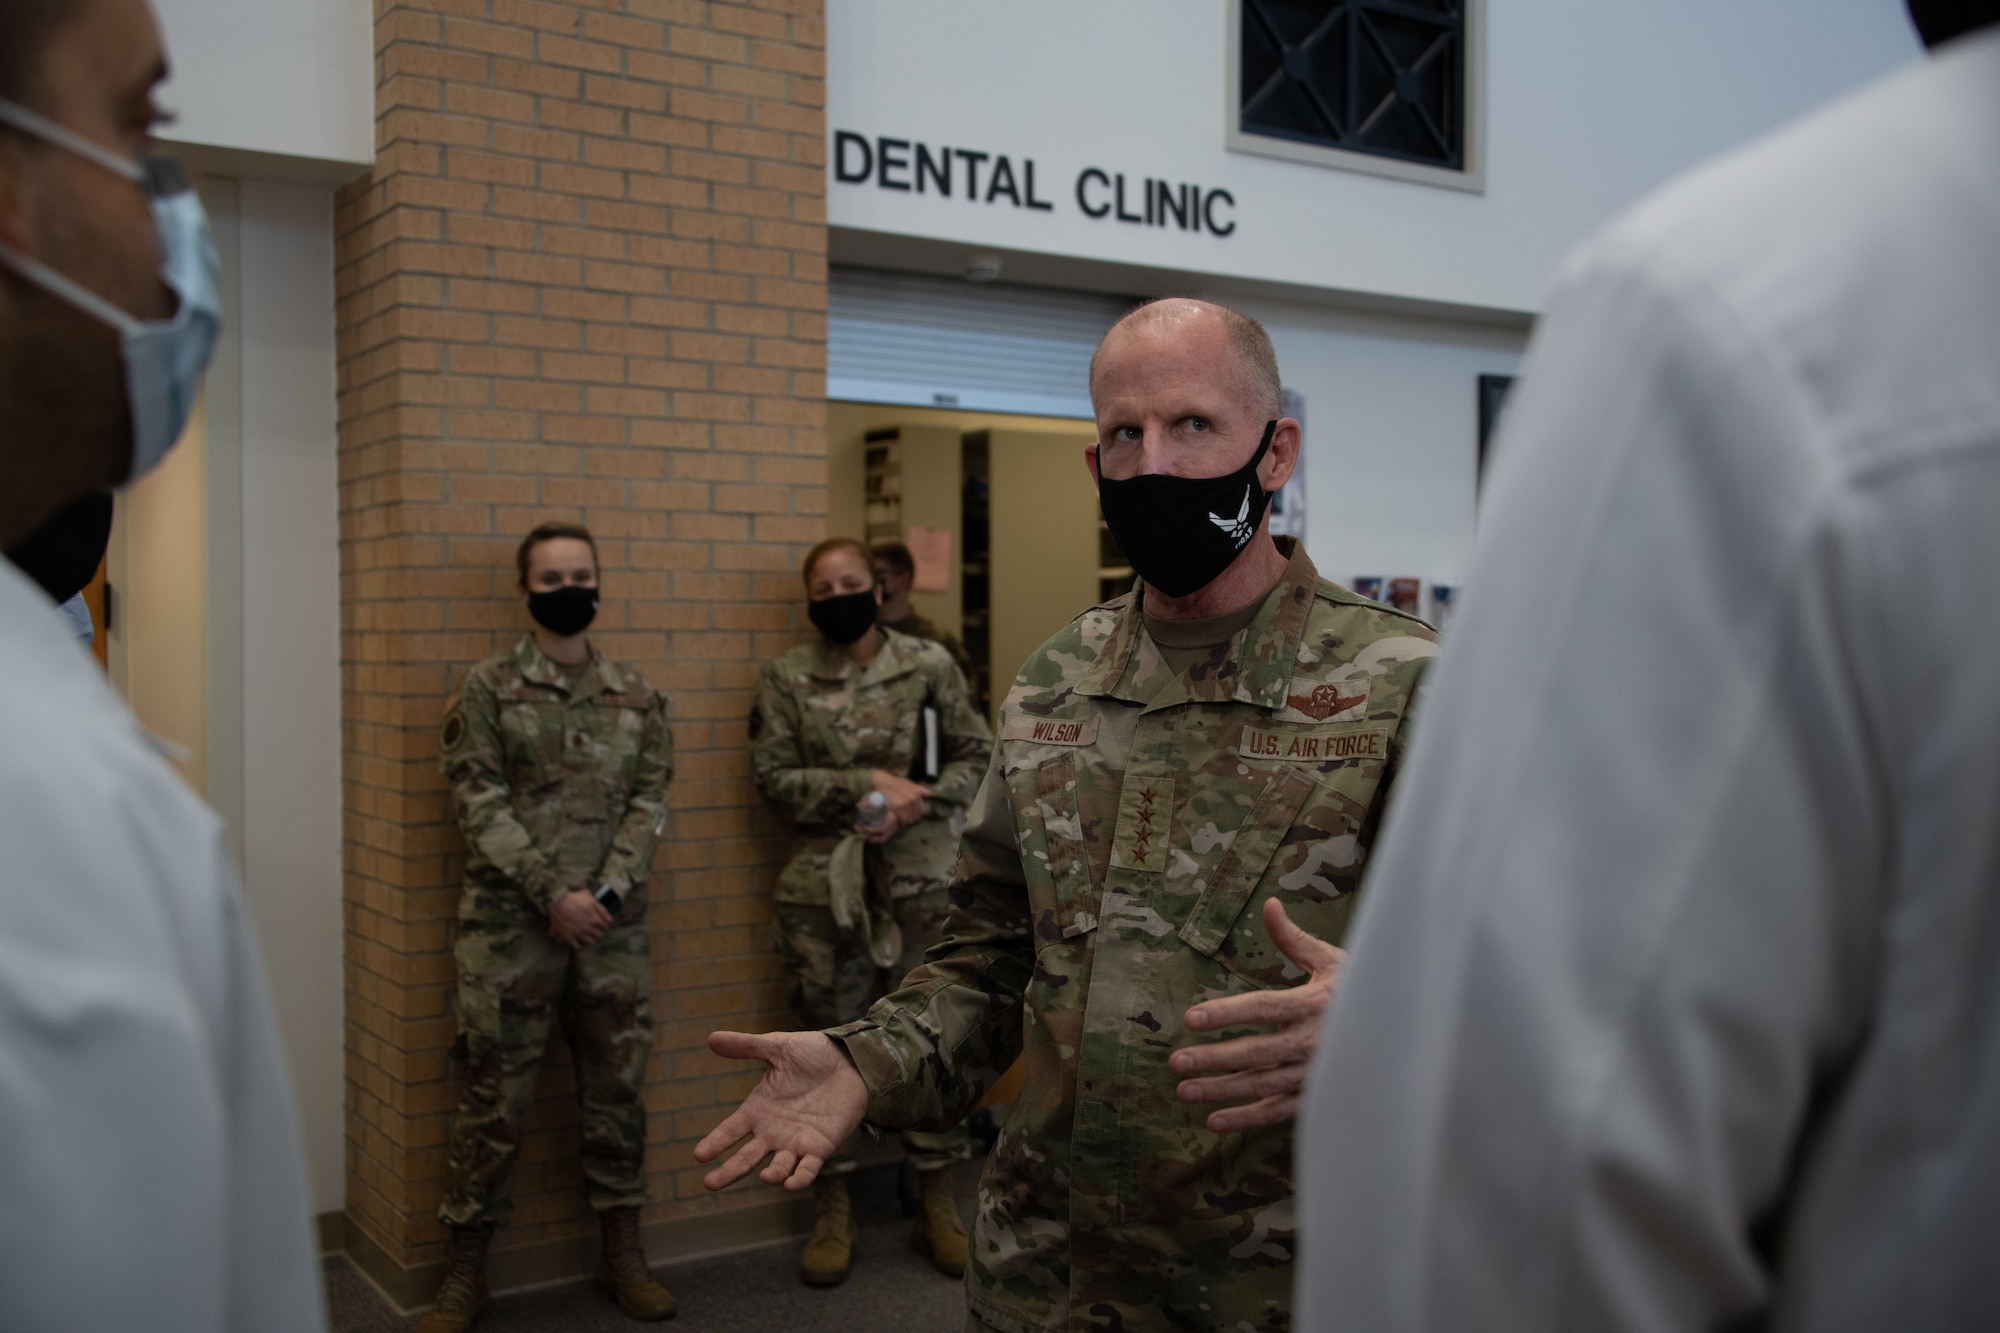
{"points": [[1237, 529], [1330, 700]]}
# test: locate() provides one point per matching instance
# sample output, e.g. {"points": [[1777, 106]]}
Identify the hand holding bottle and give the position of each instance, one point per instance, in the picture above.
{"points": [[903, 803]]}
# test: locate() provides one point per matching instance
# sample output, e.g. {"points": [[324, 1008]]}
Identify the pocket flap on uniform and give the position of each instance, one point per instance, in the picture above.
{"points": [[1233, 879], [1055, 850], [633, 700]]}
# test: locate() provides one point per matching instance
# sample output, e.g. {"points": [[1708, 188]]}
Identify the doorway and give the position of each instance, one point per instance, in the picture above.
{"points": [[1015, 505]]}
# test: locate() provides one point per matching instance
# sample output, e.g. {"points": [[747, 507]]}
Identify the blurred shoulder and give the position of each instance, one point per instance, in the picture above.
{"points": [[790, 669], [1053, 670]]}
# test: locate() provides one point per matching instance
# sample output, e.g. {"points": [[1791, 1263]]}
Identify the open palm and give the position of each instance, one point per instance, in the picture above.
{"points": [[809, 1100]]}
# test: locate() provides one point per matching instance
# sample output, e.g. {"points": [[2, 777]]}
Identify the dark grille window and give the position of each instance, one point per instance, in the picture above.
{"points": [[1384, 77]]}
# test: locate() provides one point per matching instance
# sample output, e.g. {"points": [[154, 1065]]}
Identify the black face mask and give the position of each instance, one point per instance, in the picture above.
{"points": [[1181, 532], [564, 611], [845, 618], [63, 554]]}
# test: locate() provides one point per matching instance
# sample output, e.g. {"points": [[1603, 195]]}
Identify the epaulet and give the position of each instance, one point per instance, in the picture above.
{"points": [[633, 681], [920, 647], [1114, 605], [494, 669], [1326, 590], [790, 661]]}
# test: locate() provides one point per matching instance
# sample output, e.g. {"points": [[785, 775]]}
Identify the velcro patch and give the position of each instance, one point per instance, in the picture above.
{"points": [[1050, 730], [1299, 746]]}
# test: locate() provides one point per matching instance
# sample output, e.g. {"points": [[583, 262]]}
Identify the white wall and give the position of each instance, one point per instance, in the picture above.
{"points": [[1590, 104], [291, 645], [235, 583], [157, 569], [1391, 428], [225, 566], [290, 83]]}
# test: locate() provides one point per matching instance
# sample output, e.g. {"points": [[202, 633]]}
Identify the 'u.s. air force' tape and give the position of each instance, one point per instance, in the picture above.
{"points": [[1312, 747]]}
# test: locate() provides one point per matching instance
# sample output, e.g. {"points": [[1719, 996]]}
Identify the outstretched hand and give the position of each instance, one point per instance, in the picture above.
{"points": [[1267, 1070], [809, 1100]]}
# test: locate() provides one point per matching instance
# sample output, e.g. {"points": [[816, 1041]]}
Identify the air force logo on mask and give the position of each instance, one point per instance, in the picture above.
{"points": [[1239, 528]]}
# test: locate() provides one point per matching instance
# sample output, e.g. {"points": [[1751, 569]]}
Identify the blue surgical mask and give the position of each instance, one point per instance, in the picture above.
{"points": [[164, 358]]}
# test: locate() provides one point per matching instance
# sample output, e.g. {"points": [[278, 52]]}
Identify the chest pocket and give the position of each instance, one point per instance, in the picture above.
{"points": [[1064, 834], [532, 736], [1296, 824], [621, 720], [873, 727]]}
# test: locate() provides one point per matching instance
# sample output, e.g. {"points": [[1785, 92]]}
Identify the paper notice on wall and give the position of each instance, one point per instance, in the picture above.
{"points": [[930, 549]]}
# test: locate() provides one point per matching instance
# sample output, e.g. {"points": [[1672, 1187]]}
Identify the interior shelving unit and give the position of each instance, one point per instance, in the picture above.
{"points": [[883, 495], [976, 542]]}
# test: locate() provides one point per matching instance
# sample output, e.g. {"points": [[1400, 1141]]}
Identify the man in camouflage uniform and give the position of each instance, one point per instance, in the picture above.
{"points": [[559, 761], [820, 727], [896, 571], [1169, 791]]}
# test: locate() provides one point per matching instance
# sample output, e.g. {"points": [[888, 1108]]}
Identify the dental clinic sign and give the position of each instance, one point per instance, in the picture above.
{"points": [[996, 179]]}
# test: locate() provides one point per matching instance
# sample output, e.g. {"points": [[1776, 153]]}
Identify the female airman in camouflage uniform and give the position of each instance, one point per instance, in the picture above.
{"points": [[865, 709], [558, 760]]}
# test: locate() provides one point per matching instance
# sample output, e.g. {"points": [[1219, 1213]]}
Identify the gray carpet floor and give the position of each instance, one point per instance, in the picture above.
{"points": [[754, 1291]]}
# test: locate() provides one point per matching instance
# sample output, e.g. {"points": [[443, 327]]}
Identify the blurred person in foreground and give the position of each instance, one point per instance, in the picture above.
{"points": [[559, 760], [151, 1175], [1180, 772], [1692, 1022], [896, 574], [866, 712]]}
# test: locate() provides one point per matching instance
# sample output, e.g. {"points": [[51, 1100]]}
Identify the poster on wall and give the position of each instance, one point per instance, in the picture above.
{"points": [[1288, 506], [1444, 604], [930, 552], [1493, 391]]}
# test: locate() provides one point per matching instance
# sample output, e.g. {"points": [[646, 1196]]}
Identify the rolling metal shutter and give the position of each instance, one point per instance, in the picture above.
{"points": [[920, 341]]}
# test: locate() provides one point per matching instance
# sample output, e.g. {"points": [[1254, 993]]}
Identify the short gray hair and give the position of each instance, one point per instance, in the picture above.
{"points": [[1256, 359]]}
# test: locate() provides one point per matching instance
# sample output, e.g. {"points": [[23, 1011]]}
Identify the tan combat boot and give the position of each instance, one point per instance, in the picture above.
{"points": [[938, 1236], [463, 1294], [831, 1249], [622, 1273]]}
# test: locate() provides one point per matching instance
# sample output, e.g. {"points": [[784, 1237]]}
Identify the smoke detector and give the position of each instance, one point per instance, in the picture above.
{"points": [[983, 268]]}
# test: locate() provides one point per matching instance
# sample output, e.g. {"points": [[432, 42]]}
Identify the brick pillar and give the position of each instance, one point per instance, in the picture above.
{"points": [[586, 279]]}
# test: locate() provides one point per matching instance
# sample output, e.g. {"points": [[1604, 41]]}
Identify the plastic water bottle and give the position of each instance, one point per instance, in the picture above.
{"points": [[874, 810]]}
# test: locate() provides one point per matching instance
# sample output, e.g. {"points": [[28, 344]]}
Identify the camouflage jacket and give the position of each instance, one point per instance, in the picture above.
{"points": [[820, 725], [918, 627], [557, 790], [1113, 872]]}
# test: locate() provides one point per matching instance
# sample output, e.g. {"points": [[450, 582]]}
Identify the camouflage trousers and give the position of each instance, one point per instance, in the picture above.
{"points": [[514, 984], [834, 981]]}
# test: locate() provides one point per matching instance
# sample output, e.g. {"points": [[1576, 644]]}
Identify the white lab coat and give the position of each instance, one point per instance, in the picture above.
{"points": [[151, 1175], [1674, 999]]}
